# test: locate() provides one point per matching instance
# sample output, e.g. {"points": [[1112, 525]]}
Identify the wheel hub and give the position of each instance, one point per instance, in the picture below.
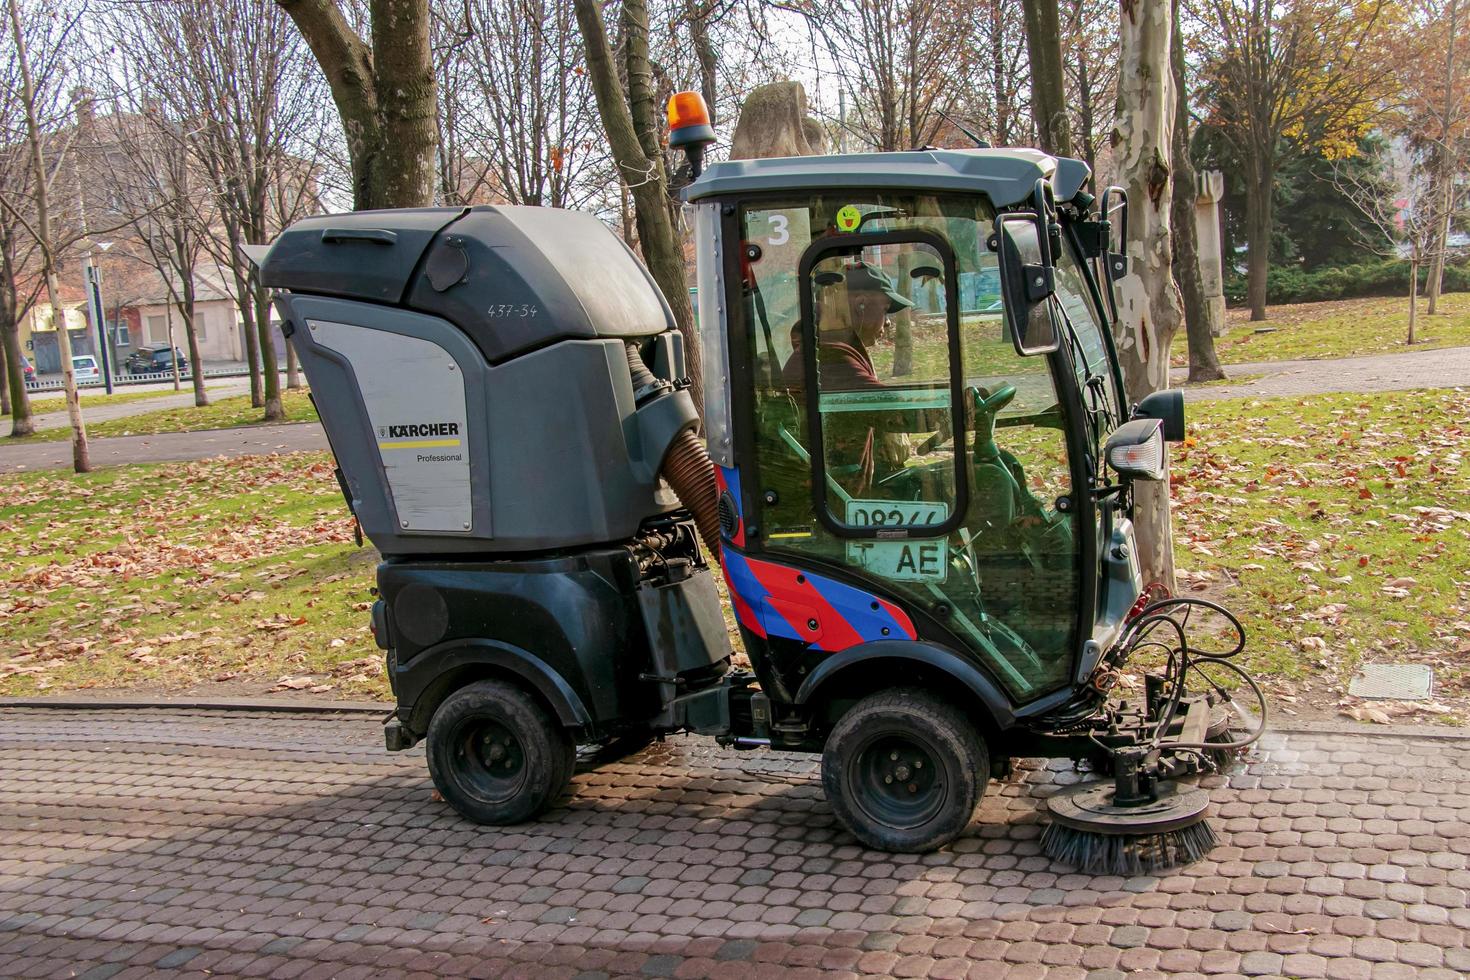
{"points": [[897, 782]]}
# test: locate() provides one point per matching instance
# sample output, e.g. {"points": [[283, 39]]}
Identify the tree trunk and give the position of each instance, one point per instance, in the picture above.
{"points": [[191, 337], [22, 423], [1259, 191], [1446, 163], [1048, 85], [1149, 308], [1413, 296], [386, 95], [168, 313], [662, 251], [244, 303], [270, 368], [1199, 326], [4, 388], [293, 370]]}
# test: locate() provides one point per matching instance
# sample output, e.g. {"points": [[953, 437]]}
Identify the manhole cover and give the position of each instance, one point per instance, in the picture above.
{"points": [[1392, 682]]}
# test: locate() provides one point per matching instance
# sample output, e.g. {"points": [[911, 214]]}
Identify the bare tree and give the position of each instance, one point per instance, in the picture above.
{"points": [[47, 32], [237, 77], [18, 288], [523, 105], [1412, 219], [385, 91], [1149, 309], [143, 164], [897, 61]]}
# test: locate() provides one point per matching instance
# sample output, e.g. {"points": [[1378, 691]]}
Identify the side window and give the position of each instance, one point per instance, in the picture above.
{"points": [[1090, 356]]}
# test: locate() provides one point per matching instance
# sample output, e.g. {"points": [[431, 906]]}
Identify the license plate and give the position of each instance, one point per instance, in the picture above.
{"points": [[904, 560]]}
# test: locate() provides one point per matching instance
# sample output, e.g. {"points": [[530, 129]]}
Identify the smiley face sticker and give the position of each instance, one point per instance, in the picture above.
{"points": [[849, 218]]}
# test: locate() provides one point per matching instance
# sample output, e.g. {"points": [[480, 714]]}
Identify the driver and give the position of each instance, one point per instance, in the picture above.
{"points": [[852, 308]]}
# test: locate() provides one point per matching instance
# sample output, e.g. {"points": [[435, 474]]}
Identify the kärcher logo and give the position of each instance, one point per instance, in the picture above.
{"points": [[418, 430]]}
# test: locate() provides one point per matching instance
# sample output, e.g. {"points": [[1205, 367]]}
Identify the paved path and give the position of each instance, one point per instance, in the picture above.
{"points": [[1448, 368], [166, 446], [288, 845], [97, 408]]}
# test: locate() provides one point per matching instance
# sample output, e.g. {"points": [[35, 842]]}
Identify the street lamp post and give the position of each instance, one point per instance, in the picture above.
{"points": [[94, 304]]}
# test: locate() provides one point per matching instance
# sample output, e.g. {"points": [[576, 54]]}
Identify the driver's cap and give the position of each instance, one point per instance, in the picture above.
{"points": [[861, 275]]}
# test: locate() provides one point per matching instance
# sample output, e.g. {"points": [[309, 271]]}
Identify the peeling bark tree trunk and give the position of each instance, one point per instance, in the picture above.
{"points": [[663, 253], [385, 93], [1149, 313], [1048, 90], [1199, 325]]}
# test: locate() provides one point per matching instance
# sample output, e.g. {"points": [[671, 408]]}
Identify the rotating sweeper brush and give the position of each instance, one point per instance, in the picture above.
{"points": [[1145, 818]]}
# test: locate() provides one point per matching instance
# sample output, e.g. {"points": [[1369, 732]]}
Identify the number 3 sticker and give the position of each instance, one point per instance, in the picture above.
{"points": [[779, 233]]}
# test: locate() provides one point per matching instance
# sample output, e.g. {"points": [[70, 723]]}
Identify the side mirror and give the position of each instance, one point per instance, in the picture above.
{"points": [[1136, 450], [1168, 407], [1026, 282], [1113, 212]]}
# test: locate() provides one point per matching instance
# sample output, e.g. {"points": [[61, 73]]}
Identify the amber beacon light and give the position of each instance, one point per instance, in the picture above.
{"points": [[689, 127]]}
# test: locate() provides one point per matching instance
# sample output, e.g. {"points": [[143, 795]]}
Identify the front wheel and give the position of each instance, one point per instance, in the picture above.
{"points": [[496, 755], [904, 771]]}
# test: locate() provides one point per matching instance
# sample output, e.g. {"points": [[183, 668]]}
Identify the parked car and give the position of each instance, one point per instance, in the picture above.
{"points": [[84, 366], [155, 360], [27, 368]]}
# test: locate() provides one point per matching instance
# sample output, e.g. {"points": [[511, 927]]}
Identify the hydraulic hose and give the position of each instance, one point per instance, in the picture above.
{"points": [[686, 465]]}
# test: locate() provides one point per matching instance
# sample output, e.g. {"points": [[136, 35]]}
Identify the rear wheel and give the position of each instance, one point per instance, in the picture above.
{"points": [[496, 755], [905, 770]]}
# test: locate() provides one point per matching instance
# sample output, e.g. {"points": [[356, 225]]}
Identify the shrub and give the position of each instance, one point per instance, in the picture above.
{"points": [[1385, 277]]}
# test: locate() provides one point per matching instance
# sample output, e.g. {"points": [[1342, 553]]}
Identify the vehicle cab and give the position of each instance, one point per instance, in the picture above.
{"points": [[910, 381]]}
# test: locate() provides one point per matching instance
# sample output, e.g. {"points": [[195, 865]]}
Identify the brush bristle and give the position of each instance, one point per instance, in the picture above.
{"points": [[1127, 854]]}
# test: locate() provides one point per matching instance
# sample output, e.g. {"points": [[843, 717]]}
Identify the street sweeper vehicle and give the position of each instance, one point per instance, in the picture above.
{"points": [[913, 470]]}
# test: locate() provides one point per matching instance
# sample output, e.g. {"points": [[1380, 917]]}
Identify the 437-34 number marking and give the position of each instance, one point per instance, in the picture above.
{"points": [[518, 310]]}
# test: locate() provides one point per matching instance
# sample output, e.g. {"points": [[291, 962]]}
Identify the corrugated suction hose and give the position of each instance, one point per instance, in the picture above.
{"points": [[686, 465]]}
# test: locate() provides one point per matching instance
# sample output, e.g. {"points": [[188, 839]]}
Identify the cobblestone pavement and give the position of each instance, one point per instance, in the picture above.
{"points": [[1447, 368], [139, 842]]}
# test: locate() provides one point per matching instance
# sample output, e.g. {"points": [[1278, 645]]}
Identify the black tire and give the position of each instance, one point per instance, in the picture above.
{"points": [[496, 755], [905, 770]]}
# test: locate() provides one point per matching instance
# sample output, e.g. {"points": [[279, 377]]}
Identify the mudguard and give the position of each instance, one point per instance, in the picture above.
{"points": [[412, 679], [914, 651]]}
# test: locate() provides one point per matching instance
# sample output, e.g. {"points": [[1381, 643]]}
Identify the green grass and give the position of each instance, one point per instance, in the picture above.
{"points": [[166, 576], [225, 413], [56, 401], [1343, 328], [1339, 527]]}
